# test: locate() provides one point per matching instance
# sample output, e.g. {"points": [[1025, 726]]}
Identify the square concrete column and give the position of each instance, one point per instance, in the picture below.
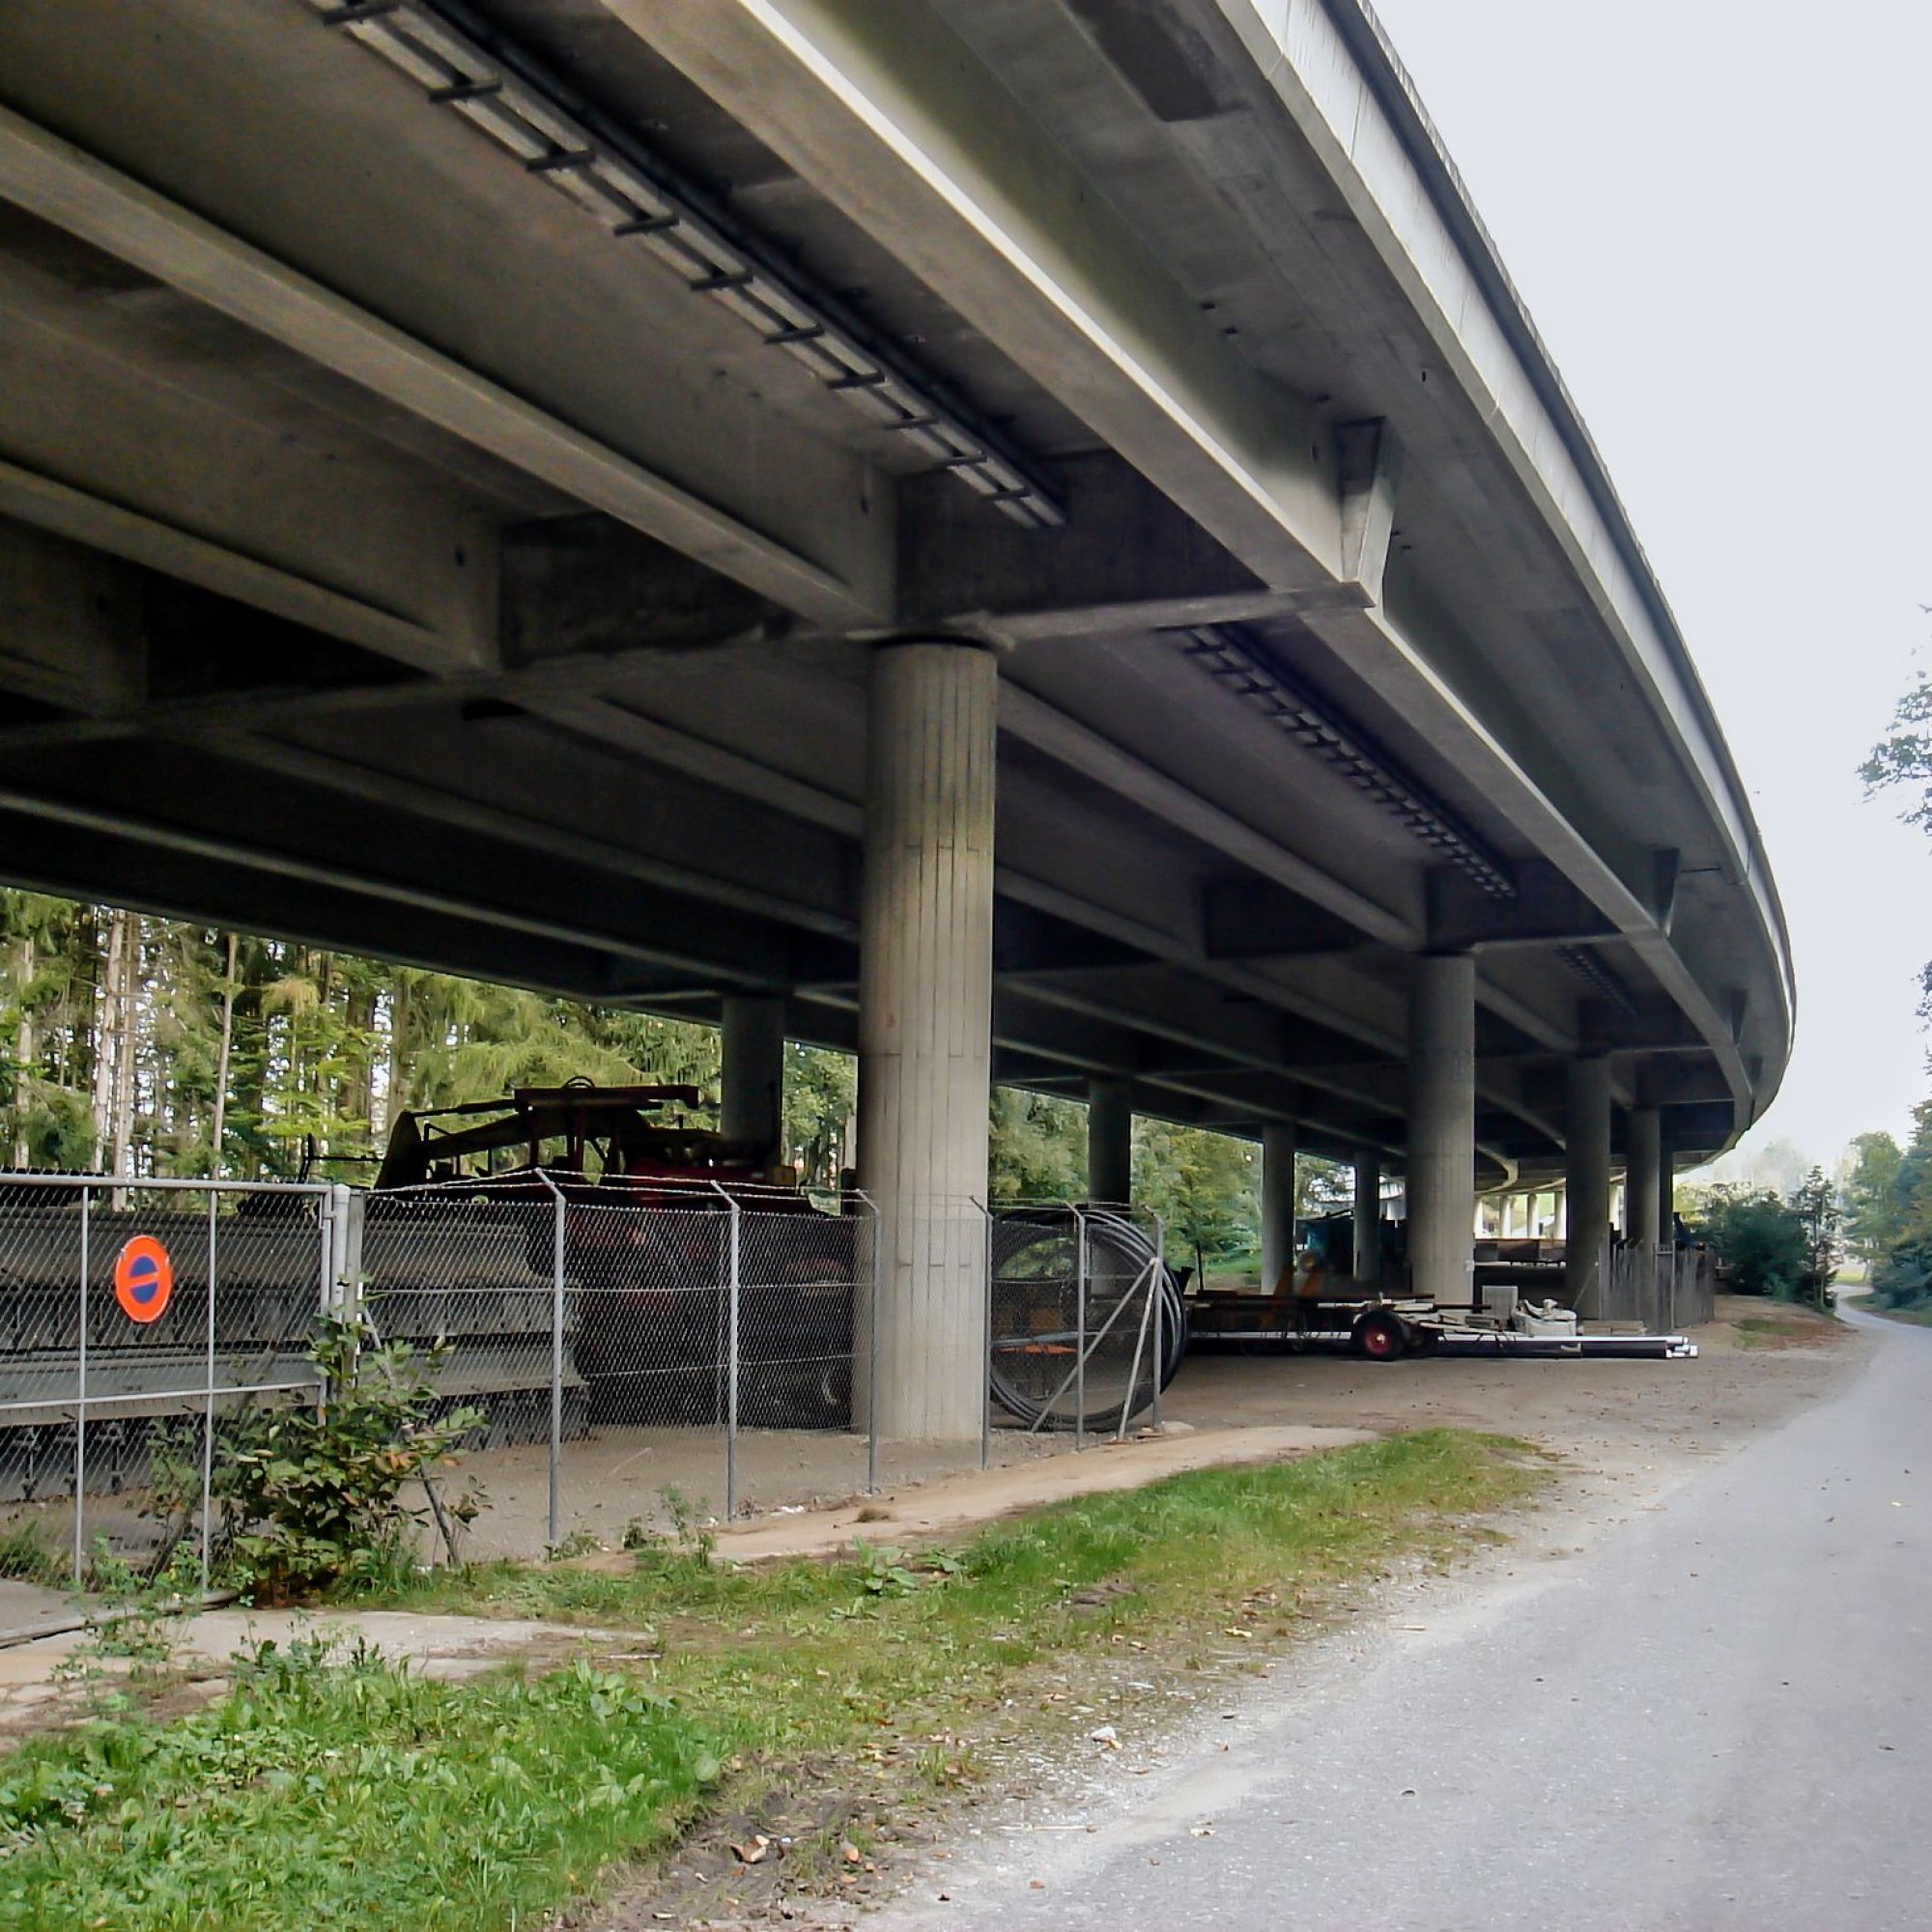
{"points": [[1368, 1218], [1277, 1202], [925, 1019], [1110, 1140], [750, 1101], [1586, 1169], [1640, 1167], [1442, 1125]]}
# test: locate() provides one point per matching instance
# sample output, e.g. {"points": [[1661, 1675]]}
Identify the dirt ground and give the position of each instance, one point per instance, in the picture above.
{"points": [[1621, 1413], [1628, 1433]]}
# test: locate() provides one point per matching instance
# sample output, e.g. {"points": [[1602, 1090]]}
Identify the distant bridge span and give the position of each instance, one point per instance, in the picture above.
{"points": [[1032, 539]]}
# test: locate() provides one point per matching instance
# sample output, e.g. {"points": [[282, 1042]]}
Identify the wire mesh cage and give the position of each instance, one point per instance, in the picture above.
{"points": [[1086, 1322]]}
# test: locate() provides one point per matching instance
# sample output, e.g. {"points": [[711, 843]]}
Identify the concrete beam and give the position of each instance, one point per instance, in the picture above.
{"points": [[890, 116], [1048, 729], [411, 800], [82, 194], [1548, 910], [1257, 919], [1368, 467], [71, 629]]}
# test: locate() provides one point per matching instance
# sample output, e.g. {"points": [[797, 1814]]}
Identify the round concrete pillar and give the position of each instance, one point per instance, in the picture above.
{"points": [[1368, 1218], [750, 1101], [1586, 1169], [1442, 1125], [1641, 1168], [1666, 1187], [1277, 1202], [925, 1011], [1110, 1140]]}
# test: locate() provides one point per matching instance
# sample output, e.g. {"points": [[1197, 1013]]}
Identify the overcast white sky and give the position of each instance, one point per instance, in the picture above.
{"points": [[1717, 214]]}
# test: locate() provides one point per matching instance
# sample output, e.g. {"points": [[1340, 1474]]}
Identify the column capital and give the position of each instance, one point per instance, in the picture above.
{"points": [[894, 641]]}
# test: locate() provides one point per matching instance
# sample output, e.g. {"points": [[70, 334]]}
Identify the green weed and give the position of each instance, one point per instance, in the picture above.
{"points": [[332, 1788]]}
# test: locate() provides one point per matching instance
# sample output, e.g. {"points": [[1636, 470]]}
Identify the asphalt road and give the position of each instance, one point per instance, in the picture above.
{"points": [[1718, 1716]]}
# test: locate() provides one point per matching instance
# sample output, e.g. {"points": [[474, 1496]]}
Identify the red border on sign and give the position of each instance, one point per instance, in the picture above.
{"points": [[144, 1279]]}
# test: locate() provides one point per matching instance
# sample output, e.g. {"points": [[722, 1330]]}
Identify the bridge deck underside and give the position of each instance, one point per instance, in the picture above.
{"points": [[391, 557]]}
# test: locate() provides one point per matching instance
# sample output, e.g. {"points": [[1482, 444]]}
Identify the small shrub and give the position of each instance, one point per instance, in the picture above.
{"points": [[27, 1557], [310, 1498]]}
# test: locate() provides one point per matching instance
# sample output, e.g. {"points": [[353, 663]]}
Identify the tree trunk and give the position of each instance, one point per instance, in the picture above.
{"points": [[23, 1054], [219, 1130], [126, 1032], [106, 979]]}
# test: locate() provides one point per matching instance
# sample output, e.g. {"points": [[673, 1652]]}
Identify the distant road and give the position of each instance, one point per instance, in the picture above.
{"points": [[1721, 1717]]}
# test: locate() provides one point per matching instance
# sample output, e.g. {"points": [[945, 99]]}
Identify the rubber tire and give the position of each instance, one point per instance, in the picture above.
{"points": [[1381, 1337]]}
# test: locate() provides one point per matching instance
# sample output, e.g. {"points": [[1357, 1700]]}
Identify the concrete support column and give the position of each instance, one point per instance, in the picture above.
{"points": [[1277, 1200], [1110, 1140], [1442, 1125], [925, 1015], [1640, 1164], [1368, 1218], [1586, 1170], [750, 1101], [1666, 1187]]}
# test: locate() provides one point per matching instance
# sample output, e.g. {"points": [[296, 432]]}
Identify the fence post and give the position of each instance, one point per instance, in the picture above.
{"points": [[731, 1369], [992, 1276], [554, 1531], [872, 1355], [208, 1419], [1159, 1313], [80, 1401], [1080, 1335]]}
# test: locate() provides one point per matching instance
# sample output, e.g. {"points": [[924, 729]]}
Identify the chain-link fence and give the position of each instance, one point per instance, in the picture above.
{"points": [[132, 1319], [637, 1352]]}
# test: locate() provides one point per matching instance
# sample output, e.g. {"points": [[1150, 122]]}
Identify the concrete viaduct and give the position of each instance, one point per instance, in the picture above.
{"points": [[1030, 539]]}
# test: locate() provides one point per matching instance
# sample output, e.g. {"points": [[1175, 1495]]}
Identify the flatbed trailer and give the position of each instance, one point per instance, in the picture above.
{"points": [[1384, 1329]]}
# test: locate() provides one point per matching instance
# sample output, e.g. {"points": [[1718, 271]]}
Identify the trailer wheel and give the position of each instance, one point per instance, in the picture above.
{"points": [[1380, 1336]]}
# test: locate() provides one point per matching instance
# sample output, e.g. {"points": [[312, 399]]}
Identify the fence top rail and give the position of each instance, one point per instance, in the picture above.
{"points": [[530, 1186], [127, 1183]]}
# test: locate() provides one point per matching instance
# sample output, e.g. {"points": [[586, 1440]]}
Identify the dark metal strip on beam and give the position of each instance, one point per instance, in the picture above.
{"points": [[1239, 666], [82, 194], [635, 194], [1077, 746]]}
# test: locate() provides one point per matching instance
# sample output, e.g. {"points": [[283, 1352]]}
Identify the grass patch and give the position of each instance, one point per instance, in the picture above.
{"points": [[28, 1554], [343, 1791], [1920, 1317], [351, 1795], [1792, 1329]]}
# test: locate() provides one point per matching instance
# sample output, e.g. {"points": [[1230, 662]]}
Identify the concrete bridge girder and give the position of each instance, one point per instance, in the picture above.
{"points": [[609, 644]]}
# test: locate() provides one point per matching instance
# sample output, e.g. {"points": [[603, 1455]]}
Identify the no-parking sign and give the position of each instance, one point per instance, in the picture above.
{"points": [[144, 1278]]}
